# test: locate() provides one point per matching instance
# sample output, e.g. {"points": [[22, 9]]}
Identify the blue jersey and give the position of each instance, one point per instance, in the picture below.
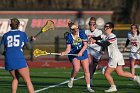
{"points": [[13, 42], [77, 44]]}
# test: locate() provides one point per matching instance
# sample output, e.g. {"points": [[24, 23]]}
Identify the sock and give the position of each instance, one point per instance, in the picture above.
{"points": [[134, 78], [113, 85], [88, 85], [71, 79]]}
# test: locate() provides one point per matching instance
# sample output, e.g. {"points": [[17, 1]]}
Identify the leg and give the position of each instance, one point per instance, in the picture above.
{"points": [[76, 67], [90, 58], [109, 78], [120, 72], [90, 63], [75, 70], [93, 67], [15, 76], [132, 64], [85, 66], [24, 72]]}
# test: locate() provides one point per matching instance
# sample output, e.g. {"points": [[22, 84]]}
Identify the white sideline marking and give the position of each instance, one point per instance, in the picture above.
{"points": [[36, 91], [52, 86]]}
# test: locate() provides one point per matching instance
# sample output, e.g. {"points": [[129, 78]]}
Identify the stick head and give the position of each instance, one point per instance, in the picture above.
{"points": [[38, 52], [48, 26]]}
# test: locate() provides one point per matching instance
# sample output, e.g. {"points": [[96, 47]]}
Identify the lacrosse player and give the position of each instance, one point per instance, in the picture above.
{"points": [[134, 40], [11, 47], [76, 43], [94, 50], [116, 60]]}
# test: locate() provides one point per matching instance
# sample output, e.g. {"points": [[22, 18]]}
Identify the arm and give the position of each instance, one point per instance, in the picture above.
{"points": [[97, 38], [28, 45], [103, 44], [83, 48], [68, 48], [2, 49], [126, 44]]}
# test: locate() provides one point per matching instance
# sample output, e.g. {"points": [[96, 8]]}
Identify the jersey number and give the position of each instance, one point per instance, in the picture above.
{"points": [[13, 40], [134, 44]]}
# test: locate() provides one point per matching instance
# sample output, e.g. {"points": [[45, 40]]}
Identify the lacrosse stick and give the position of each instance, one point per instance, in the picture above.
{"points": [[100, 52], [38, 53], [48, 26]]}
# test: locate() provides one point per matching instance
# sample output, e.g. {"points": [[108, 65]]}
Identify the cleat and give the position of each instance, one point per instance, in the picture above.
{"points": [[111, 89], [70, 84], [90, 90]]}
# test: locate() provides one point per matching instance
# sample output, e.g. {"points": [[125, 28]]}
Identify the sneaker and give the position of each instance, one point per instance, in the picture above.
{"points": [[91, 84], [111, 89], [70, 84], [137, 79], [90, 90]]}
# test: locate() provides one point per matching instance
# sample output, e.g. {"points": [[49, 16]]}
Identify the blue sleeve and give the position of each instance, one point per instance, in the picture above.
{"points": [[25, 38], [83, 36], [69, 39]]}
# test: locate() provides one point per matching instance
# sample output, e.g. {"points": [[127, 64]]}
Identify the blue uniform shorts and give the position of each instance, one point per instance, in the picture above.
{"points": [[84, 56]]}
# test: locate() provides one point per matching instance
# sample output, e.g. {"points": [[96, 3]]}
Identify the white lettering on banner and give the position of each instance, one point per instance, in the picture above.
{"points": [[5, 25], [37, 23]]}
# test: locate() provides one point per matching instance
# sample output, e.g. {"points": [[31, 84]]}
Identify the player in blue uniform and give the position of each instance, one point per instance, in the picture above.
{"points": [[11, 47], [76, 43]]}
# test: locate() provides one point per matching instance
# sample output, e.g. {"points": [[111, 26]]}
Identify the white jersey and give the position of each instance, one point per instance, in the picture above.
{"points": [[95, 33], [134, 41], [113, 50], [115, 56]]}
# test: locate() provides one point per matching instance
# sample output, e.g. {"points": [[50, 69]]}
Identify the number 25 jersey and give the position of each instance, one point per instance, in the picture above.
{"points": [[13, 42]]}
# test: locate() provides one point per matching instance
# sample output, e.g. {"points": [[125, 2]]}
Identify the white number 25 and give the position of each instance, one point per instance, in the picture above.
{"points": [[13, 40]]}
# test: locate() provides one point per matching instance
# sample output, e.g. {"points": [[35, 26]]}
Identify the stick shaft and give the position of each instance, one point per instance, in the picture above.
{"points": [[38, 34], [59, 54], [95, 50]]}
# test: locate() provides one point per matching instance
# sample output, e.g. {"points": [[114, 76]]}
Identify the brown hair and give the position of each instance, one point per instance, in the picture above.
{"points": [[111, 25], [136, 28], [14, 23], [92, 19]]}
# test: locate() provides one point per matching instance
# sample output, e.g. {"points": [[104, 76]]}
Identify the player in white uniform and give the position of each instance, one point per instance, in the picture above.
{"points": [[134, 40], [94, 50], [116, 60]]}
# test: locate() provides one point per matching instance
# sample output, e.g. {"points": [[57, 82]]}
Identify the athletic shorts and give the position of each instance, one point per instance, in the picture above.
{"points": [[95, 54], [84, 56], [15, 64], [134, 55], [114, 62]]}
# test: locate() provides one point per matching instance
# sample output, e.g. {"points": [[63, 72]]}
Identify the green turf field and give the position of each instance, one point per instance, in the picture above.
{"points": [[54, 80]]}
